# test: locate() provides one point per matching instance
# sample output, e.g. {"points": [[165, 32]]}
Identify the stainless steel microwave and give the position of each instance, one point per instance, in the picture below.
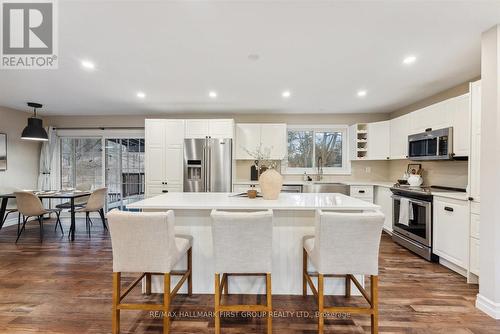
{"points": [[431, 145]]}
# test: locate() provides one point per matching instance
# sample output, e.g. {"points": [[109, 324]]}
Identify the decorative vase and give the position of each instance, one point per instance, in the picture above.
{"points": [[270, 184]]}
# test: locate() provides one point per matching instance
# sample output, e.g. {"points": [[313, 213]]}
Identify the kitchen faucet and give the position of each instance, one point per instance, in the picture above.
{"points": [[319, 175]]}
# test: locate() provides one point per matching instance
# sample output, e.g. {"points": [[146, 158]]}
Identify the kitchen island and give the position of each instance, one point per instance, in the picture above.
{"points": [[294, 215]]}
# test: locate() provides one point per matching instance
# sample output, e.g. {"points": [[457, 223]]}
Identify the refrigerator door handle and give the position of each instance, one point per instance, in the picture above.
{"points": [[209, 164]]}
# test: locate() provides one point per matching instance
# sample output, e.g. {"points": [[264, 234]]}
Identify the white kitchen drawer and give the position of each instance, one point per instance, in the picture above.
{"points": [[474, 256], [362, 191], [474, 225]]}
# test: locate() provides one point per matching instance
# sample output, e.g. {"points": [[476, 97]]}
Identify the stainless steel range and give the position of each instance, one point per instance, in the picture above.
{"points": [[412, 218]]}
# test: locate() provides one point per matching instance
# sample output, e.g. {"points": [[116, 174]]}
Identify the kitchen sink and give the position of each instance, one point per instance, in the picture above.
{"points": [[326, 188]]}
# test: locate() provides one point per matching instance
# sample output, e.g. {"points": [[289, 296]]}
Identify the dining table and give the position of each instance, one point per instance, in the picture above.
{"points": [[69, 195]]}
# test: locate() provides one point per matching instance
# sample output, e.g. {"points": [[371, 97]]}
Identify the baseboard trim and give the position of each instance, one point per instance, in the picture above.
{"points": [[487, 306]]}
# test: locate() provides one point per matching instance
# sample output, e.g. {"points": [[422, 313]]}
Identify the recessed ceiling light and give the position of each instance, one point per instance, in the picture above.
{"points": [[409, 60], [141, 95], [88, 64], [212, 94], [253, 56], [361, 93], [286, 94]]}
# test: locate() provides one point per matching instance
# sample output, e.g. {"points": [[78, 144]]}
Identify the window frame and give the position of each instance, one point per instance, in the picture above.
{"points": [[346, 162]]}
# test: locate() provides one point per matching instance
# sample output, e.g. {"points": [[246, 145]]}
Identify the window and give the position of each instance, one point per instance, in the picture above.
{"points": [[93, 158], [124, 171], [309, 145], [81, 162]]}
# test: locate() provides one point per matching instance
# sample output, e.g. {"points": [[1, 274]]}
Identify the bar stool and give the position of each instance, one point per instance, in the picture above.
{"points": [[343, 245], [242, 247], [146, 242]]}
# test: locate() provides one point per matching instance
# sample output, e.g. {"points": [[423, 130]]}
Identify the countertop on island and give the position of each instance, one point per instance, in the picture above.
{"points": [[227, 201]]}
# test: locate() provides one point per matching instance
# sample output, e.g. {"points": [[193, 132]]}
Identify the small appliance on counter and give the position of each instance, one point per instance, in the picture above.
{"points": [[254, 172]]}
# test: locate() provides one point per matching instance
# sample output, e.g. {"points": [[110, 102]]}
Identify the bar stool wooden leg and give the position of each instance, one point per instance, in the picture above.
{"points": [[166, 303], [115, 326], [217, 304], [347, 285], [269, 304], [190, 269], [320, 304], [148, 283], [304, 272], [374, 302]]}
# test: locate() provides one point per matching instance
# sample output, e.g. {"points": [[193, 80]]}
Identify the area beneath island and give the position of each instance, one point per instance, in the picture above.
{"points": [[294, 216]]}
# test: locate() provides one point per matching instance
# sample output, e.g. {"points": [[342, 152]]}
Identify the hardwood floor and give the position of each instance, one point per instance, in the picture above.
{"points": [[63, 287]]}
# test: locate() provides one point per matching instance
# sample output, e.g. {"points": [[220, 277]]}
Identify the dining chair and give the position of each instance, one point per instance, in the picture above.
{"points": [[146, 243], [343, 245], [29, 205], [95, 203], [79, 201], [242, 243], [12, 208]]}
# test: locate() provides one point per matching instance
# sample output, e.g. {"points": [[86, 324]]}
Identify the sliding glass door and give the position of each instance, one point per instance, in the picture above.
{"points": [[117, 163], [81, 163], [124, 171]]}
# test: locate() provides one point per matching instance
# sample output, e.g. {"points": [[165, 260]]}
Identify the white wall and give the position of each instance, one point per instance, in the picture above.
{"points": [[488, 299], [22, 156]]}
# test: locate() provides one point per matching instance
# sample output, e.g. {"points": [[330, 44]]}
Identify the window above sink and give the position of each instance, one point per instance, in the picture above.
{"points": [[306, 144]]}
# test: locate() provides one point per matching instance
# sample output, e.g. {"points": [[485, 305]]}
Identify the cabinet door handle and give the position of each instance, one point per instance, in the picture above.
{"points": [[447, 208], [164, 191], [471, 198], [361, 191]]}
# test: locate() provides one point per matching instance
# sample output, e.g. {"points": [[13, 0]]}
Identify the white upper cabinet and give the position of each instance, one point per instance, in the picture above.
{"points": [[164, 150], [399, 131], [215, 128], [251, 136], [196, 128], [221, 128], [378, 141], [460, 115], [273, 138]]}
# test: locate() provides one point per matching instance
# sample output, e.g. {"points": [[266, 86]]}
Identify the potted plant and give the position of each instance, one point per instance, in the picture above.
{"points": [[270, 180]]}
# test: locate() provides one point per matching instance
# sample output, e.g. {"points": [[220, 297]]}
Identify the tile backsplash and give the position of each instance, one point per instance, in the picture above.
{"points": [[443, 173]]}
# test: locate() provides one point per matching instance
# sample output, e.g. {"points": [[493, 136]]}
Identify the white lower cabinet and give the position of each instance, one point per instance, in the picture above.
{"points": [[451, 230], [383, 197]]}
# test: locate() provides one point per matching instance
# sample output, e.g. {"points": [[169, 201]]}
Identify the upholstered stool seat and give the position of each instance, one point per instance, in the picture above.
{"points": [[147, 243], [344, 244], [242, 243]]}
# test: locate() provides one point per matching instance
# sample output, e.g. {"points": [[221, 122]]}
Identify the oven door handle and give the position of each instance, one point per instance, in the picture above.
{"points": [[423, 203]]}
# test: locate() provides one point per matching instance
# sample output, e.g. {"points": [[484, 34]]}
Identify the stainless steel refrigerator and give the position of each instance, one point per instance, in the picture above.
{"points": [[208, 165]]}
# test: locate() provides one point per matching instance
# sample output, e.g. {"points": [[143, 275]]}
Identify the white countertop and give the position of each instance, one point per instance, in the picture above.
{"points": [[286, 201]]}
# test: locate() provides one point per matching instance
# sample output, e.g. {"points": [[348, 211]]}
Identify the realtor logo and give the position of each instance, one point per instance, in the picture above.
{"points": [[28, 34]]}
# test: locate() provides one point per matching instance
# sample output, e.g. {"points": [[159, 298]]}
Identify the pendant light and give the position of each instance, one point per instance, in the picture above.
{"points": [[34, 130]]}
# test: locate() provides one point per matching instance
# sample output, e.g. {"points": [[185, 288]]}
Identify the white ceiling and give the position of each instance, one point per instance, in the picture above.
{"points": [[322, 51]]}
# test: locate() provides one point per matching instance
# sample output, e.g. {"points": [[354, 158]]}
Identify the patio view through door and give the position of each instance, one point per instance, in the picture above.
{"points": [[117, 163]]}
